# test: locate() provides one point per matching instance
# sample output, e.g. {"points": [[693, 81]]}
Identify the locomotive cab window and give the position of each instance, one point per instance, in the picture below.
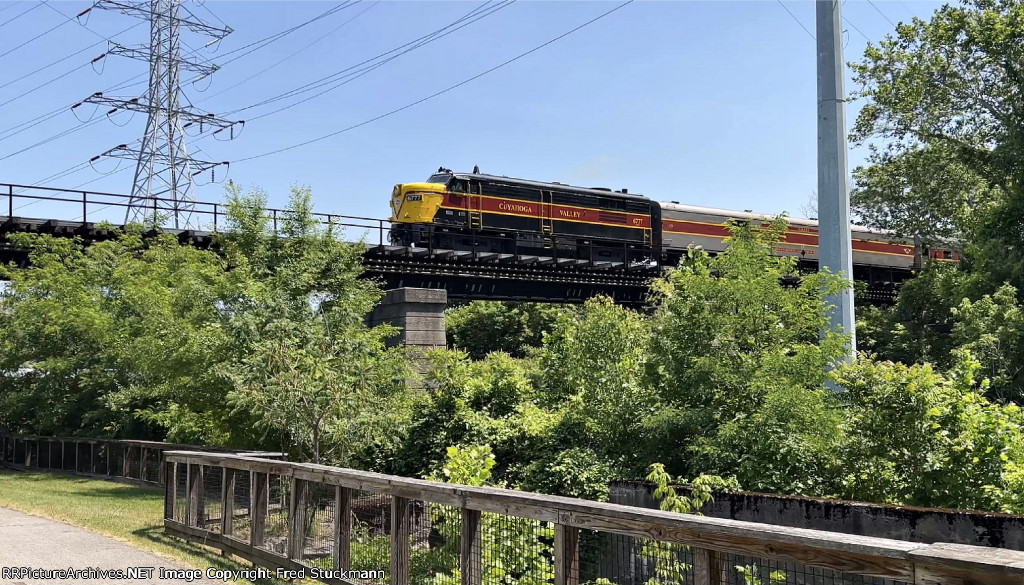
{"points": [[457, 186]]}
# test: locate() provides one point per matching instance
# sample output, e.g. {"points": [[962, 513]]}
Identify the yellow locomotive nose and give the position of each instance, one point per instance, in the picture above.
{"points": [[416, 202]]}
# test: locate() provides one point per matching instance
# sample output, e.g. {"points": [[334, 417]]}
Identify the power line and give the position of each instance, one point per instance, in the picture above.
{"points": [[847, 21], [315, 41], [65, 58], [9, 5], [471, 17], [446, 90], [349, 78], [879, 10], [795, 19], [38, 36], [33, 7]]}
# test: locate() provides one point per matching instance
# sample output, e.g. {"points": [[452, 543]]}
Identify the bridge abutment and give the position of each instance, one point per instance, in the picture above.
{"points": [[418, 311]]}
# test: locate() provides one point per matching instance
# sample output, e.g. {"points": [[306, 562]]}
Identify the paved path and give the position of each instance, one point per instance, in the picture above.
{"points": [[29, 541]]}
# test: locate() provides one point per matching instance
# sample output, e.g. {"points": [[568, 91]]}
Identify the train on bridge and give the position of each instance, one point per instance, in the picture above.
{"points": [[504, 215]]}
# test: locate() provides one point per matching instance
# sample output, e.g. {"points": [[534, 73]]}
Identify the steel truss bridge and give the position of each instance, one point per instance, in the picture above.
{"points": [[465, 274]]}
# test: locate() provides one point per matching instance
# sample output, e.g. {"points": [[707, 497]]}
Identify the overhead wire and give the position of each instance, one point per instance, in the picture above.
{"points": [[795, 19], [33, 39], [33, 7], [445, 90], [345, 75], [306, 47], [879, 10]]}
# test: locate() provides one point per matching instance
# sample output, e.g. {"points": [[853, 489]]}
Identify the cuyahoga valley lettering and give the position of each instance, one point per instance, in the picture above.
{"points": [[515, 207]]}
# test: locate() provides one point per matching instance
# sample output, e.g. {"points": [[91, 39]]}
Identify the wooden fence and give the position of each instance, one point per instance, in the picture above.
{"points": [[134, 461], [346, 526]]}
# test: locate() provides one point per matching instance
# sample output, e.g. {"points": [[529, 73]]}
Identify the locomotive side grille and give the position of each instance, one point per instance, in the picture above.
{"points": [[611, 217]]}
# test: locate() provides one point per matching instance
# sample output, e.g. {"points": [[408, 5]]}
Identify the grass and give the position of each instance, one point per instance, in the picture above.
{"points": [[127, 513]]}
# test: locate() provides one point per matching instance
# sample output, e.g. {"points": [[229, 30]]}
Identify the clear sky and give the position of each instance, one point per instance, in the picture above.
{"points": [[707, 103]]}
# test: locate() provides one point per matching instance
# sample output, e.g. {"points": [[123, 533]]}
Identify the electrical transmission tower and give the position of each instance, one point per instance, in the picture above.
{"points": [[164, 172]]}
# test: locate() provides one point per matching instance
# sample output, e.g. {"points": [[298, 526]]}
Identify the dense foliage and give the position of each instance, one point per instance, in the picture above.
{"points": [[481, 327], [945, 120], [262, 342], [262, 345]]}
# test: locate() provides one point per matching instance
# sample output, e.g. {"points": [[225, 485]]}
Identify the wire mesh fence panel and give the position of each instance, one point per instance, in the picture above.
{"points": [[83, 457], [117, 460], [43, 454], [241, 522], [318, 526], [370, 543], [627, 560], [212, 504], [134, 464], [516, 550], [151, 466], [181, 478], [743, 570], [275, 519], [435, 543], [102, 457]]}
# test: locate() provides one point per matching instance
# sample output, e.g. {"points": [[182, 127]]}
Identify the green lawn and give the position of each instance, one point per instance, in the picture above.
{"points": [[131, 514]]}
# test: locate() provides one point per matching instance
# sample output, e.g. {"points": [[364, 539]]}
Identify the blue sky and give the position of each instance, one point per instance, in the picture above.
{"points": [[707, 103]]}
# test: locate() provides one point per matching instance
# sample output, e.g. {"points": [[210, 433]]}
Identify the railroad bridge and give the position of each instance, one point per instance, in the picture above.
{"points": [[462, 274]]}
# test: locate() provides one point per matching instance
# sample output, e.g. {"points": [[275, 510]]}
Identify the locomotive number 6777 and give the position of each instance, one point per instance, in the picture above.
{"points": [[487, 213]]}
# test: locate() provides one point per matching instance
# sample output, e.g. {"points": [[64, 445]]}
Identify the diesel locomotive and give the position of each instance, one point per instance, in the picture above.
{"points": [[567, 224]]}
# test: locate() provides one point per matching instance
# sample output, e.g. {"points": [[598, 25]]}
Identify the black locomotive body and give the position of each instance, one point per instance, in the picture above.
{"points": [[492, 214]]}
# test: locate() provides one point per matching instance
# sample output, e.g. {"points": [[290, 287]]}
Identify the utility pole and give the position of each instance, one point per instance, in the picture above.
{"points": [[834, 240], [164, 171]]}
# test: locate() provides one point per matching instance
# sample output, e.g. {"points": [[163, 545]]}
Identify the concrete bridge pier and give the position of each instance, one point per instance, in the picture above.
{"points": [[418, 311]]}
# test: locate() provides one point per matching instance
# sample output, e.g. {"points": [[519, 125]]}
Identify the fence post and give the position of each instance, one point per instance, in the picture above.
{"points": [[10, 201], [471, 553], [126, 458], [62, 457], [708, 568], [227, 501], [567, 555], [144, 452], [297, 518], [400, 546], [169, 488], [342, 553], [257, 507], [84, 209], [28, 453]]}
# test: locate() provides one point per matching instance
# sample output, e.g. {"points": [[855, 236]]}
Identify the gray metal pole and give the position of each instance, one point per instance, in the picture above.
{"points": [[834, 243]]}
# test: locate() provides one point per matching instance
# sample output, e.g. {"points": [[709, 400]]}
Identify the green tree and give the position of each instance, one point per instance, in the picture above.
{"points": [[944, 97], [740, 367], [920, 438], [482, 327], [304, 363], [116, 338]]}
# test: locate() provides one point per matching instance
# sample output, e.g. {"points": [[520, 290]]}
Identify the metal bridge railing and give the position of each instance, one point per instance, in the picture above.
{"points": [[97, 206]]}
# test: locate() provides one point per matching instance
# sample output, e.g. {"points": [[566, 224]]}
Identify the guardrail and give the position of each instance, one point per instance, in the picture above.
{"points": [[345, 526], [135, 461]]}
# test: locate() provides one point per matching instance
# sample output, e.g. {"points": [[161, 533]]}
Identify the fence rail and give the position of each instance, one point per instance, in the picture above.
{"points": [[136, 461], [346, 526]]}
